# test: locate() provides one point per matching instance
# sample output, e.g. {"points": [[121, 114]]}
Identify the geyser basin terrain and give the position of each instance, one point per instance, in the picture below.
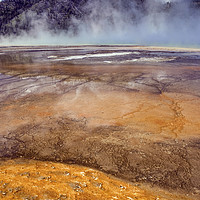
{"points": [[132, 112]]}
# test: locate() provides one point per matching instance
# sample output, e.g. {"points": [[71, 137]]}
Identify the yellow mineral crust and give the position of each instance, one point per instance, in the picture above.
{"points": [[22, 179]]}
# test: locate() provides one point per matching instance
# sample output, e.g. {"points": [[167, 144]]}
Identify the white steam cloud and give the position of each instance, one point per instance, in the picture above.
{"points": [[110, 23]]}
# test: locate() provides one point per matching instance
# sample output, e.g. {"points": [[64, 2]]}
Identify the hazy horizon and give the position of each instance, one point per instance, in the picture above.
{"points": [[178, 26]]}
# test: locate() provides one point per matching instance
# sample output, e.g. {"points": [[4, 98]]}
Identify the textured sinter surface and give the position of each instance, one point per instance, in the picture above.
{"points": [[127, 111], [22, 179]]}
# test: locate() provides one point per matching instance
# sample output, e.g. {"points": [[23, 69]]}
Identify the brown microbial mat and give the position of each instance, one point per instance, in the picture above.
{"points": [[128, 111]]}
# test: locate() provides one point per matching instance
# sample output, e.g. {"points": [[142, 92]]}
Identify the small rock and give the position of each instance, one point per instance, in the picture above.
{"points": [[76, 187], [82, 173], [25, 174], [84, 184], [137, 184], [122, 187], [79, 190], [10, 190], [99, 185], [17, 189], [26, 198], [95, 178], [34, 197], [42, 178], [197, 191], [67, 173], [62, 196], [5, 185]]}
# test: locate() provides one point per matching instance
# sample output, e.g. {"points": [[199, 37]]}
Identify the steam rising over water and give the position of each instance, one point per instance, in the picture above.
{"points": [[107, 24]]}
